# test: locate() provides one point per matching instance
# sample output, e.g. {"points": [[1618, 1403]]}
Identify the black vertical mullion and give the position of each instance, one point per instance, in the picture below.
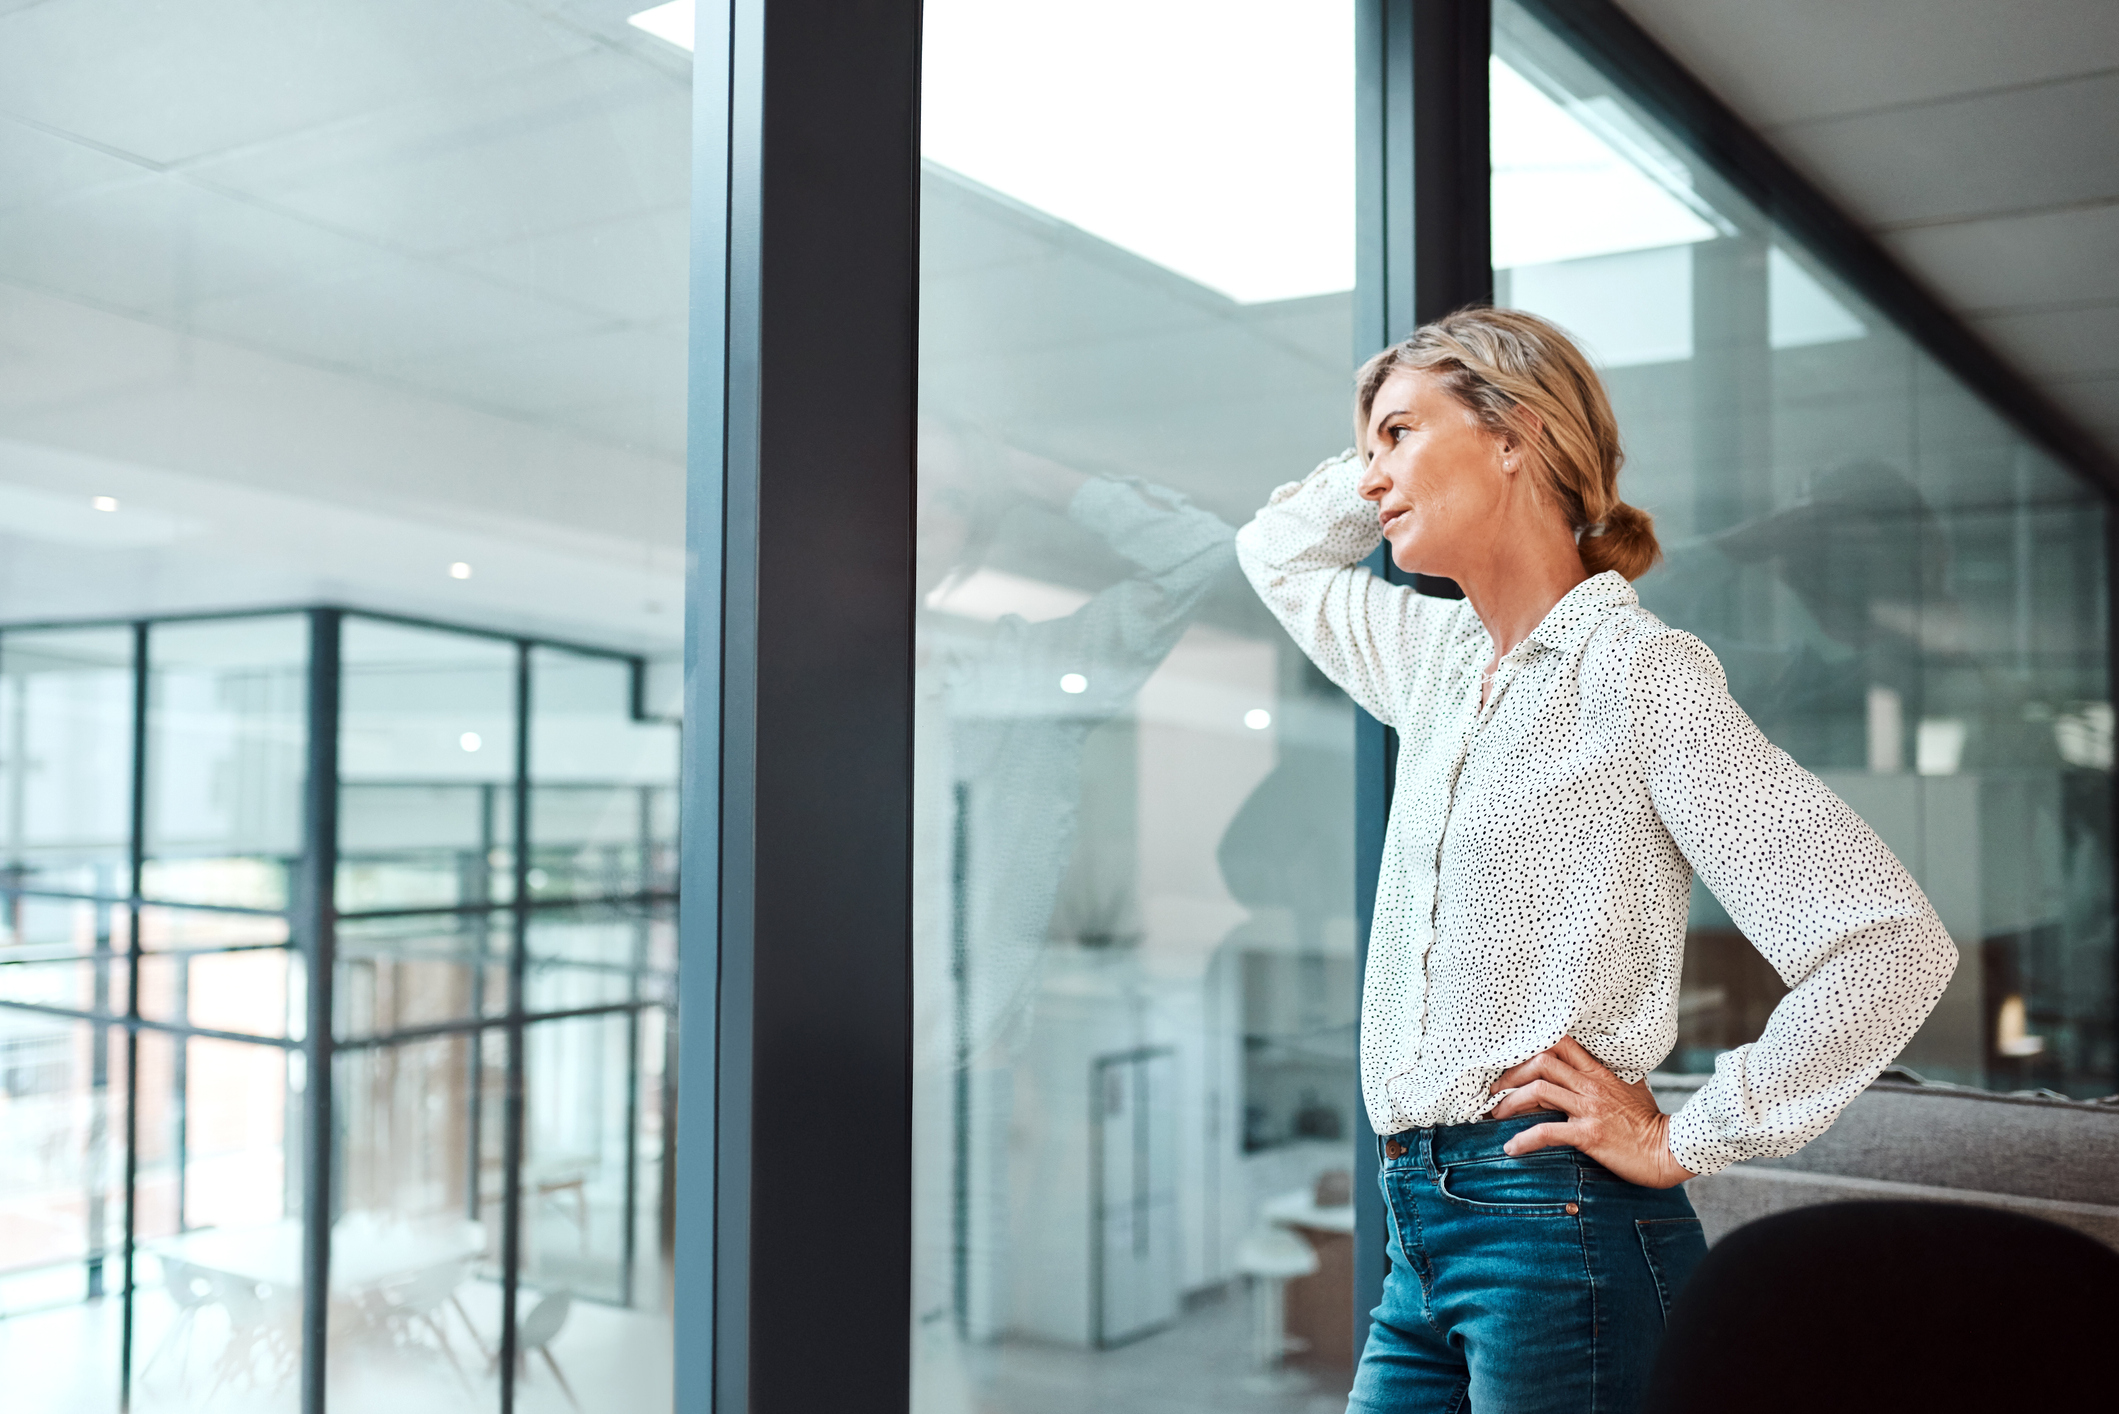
{"points": [[1423, 241], [512, 1110], [800, 745], [136, 828], [317, 921]]}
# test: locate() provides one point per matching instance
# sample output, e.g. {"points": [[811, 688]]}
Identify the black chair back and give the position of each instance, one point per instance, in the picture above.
{"points": [[1882, 1307]]}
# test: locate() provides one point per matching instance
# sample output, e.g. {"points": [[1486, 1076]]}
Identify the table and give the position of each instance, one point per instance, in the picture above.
{"points": [[1320, 1307], [364, 1254]]}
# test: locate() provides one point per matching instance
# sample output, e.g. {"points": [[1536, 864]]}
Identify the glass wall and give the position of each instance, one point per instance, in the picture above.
{"points": [[1908, 595], [156, 1062], [380, 305], [1133, 891]]}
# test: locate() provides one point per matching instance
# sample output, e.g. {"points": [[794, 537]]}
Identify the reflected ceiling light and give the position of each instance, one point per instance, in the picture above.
{"points": [[470, 741], [671, 22], [1223, 152], [459, 570], [1074, 682], [1258, 719], [1580, 177], [105, 503], [1217, 143]]}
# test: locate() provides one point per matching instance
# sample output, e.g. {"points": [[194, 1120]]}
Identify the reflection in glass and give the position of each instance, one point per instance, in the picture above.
{"points": [[226, 704], [1907, 595], [591, 1175], [414, 1254], [1133, 797], [603, 806], [66, 720], [427, 767], [219, 1265]]}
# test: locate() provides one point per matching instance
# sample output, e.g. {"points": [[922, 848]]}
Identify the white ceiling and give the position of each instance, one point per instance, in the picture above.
{"points": [[1977, 141], [332, 296]]}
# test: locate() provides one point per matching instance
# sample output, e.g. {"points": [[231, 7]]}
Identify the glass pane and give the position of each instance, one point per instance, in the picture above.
{"points": [[1133, 888], [411, 1277], [603, 784], [1907, 596], [426, 767], [395, 973], [62, 1211], [33, 927], [591, 1218], [220, 971], [595, 956], [66, 708], [226, 728], [220, 1243]]}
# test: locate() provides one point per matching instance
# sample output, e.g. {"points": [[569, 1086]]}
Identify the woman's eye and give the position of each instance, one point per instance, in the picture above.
{"points": [[1398, 433]]}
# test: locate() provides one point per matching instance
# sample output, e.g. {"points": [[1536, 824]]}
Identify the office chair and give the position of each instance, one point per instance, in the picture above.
{"points": [[1882, 1307]]}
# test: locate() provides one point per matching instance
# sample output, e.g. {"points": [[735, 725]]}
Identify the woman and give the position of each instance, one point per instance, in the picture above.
{"points": [[1565, 764]]}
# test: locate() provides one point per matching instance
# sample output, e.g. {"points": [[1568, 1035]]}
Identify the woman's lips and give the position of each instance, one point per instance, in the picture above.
{"points": [[1389, 516]]}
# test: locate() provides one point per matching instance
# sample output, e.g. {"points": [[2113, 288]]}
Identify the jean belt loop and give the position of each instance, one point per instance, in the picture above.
{"points": [[1427, 1151]]}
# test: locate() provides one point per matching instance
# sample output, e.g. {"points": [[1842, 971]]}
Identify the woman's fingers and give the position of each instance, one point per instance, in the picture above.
{"points": [[1545, 1065], [1568, 1049], [1537, 1095], [1539, 1136]]}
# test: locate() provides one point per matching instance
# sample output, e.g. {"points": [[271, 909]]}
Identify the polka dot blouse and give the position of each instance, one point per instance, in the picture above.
{"points": [[1541, 848]]}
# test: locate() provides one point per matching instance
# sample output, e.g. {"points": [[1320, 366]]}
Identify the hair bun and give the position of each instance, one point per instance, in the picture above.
{"points": [[1624, 541]]}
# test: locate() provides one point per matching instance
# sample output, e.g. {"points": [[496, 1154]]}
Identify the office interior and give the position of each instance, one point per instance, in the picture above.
{"points": [[343, 594]]}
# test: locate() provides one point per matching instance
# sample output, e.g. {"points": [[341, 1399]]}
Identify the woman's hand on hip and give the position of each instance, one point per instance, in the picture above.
{"points": [[1617, 1124]]}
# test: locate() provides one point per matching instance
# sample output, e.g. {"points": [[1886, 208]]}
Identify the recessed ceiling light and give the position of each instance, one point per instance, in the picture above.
{"points": [[1258, 719], [105, 503], [671, 22], [459, 570], [470, 741], [1073, 682]]}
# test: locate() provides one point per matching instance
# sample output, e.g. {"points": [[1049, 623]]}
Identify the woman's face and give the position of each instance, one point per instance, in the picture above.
{"points": [[1436, 476]]}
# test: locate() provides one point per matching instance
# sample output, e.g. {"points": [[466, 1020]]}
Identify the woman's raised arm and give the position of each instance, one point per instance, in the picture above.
{"points": [[1303, 555]]}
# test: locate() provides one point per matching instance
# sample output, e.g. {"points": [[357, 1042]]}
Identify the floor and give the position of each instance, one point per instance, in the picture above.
{"points": [[1201, 1365], [64, 1361]]}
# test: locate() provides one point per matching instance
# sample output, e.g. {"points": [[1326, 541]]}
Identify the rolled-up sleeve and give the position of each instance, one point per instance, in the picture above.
{"points": [[1813, 889], [1303, 554]]}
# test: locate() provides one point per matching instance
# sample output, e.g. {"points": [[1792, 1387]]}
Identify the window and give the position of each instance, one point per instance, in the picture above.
{"points": [[1134, 1081], [1908, 595]]}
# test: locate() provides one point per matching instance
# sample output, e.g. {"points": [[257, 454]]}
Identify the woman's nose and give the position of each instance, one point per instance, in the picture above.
{"points": [[1373, 482]]}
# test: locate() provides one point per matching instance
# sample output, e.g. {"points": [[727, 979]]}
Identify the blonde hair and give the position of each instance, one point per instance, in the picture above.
{"points": [[1502, 364]]}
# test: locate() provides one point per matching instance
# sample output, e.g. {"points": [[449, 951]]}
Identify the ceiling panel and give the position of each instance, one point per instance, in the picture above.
{"points": [[1975, 140], [1788, 60], [160, 246], [41, 166], [634, 267], [588, 139], [173, 82], [2025, 148], [2047, 258], [388, 314], [2076, 340]]}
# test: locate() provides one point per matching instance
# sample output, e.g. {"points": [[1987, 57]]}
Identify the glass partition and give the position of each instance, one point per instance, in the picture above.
{"points": [[1908, 595], [1134, 1070], [169, 1026], [66, 753]]}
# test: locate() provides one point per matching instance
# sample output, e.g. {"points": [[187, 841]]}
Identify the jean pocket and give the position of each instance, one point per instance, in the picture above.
{"points": [[1544, 1185], [1673, 1247]]}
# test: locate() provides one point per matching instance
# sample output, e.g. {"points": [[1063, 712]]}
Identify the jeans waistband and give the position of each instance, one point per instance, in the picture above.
{"points": [[1461, 1143]]}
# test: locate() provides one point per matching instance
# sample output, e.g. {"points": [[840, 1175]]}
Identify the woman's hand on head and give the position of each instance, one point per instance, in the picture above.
{"points": [[1618, 1125]]}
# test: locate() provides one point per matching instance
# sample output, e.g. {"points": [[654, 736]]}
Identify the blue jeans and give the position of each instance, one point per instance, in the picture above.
{"points": [[1519, 1286]]}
